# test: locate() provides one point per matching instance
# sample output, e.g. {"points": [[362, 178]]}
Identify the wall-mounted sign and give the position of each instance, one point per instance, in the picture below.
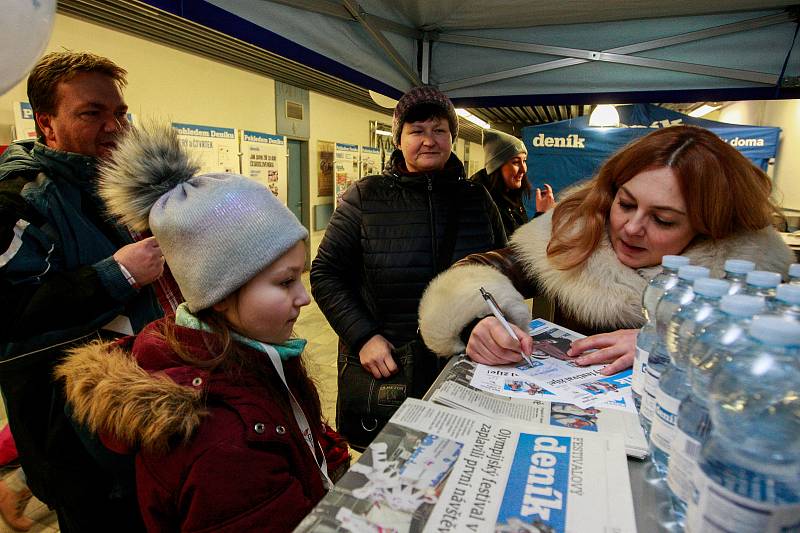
{"points": [[216, 149], [264, 160], [345, 167]]}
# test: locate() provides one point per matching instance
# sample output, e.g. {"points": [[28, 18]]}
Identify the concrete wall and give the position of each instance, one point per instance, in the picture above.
{"points": [[164, 82], [784, 114]]}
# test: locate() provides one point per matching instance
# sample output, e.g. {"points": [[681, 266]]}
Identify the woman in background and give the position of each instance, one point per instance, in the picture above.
{"points": [[505, 177]]}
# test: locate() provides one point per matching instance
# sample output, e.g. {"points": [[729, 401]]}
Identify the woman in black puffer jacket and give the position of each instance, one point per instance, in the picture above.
{"points": [[388, 238]]}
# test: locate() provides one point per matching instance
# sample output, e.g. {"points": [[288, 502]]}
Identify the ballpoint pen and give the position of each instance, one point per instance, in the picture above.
{"points": [[502, 319]]}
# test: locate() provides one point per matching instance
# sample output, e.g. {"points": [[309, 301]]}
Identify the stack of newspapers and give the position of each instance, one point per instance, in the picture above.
{"points": [[438, 469], [536, 447], [581, 397]]}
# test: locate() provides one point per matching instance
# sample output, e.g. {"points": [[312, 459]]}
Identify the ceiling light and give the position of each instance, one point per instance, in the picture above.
{"points": [[385, 133], [382, 100], [704, 109], [472, 118], [604, 116]]}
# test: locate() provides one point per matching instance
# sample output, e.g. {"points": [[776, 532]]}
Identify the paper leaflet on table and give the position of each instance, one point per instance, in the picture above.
{"points": [[457, 390], [558, 373]]}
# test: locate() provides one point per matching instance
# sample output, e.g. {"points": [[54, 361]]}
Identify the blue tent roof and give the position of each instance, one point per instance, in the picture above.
{"points": [[566, 152]]}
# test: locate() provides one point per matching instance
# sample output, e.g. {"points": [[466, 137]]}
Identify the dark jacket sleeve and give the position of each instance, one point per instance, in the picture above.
{"points": [[496, 220], [337, 275], [39, 295]]}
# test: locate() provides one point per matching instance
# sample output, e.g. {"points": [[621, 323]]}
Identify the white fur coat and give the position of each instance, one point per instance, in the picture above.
{"points": [[603, 294]]}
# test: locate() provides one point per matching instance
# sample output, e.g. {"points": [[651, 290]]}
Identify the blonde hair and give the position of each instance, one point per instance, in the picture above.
{"points": [[705, 166]]}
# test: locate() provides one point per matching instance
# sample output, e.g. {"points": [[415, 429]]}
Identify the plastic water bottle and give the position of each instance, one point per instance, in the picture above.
{"points": [[794, 273], [646, 338], [762, 283], [787, 301], [678, 295], [714, 343], [673, 386], [736, 271], [749, 467]]}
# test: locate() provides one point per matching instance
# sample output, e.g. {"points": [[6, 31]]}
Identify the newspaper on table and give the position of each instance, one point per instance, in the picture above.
{"points": [[437, 469], [458, 392], [509, 392], [555, 372]]}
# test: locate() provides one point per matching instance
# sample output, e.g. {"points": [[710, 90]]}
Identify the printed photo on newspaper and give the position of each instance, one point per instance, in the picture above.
{"points": [[457, 389], [437, 469], [555, 372]]}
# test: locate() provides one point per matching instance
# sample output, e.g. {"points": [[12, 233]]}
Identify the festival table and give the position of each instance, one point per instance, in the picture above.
{"points": [[648, 499]]}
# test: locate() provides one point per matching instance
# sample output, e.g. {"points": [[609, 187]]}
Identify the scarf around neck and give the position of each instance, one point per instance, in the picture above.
{"points": [[287, 350]]}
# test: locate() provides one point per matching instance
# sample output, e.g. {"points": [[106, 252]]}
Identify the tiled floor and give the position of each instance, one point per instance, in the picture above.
{"points": [[320, 359]]}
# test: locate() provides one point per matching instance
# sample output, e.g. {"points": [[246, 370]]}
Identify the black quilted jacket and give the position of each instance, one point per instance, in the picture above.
{"points": [[379, 251]]}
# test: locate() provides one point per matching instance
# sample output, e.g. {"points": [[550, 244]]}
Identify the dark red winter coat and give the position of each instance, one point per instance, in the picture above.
{"points": [[214, 452]]}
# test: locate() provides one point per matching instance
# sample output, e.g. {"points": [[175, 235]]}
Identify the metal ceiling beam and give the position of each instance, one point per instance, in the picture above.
{"points": [[361, 16], [335, 9], [617, 54]]}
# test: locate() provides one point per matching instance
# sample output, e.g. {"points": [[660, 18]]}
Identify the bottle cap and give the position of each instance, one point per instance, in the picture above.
{"points": [[789, 294], [740, 266], [775, 330], [715, 288], [676, 261], [693, 272], [742, 305], [763, 279], [794, 269]]}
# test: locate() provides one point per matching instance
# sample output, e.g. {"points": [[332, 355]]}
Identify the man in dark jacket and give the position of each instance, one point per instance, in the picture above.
{"points": [[389, 237], [67, 274]]}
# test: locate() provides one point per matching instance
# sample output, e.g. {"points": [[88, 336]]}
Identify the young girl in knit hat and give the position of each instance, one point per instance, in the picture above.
{"points": [[215, 402]]}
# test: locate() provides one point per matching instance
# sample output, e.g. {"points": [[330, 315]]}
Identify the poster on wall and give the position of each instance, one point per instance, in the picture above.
{"points": [[216, 149], [325, 168], [264, 160], [370, 161], [345, 167], [24, 125]]}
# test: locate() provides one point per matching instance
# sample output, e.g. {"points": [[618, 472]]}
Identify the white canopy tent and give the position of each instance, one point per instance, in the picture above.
{"points": [[511, 50], [508, 54]]}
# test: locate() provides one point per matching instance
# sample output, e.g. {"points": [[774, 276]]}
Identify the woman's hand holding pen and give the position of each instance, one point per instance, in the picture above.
{"points": [[490, 343]]}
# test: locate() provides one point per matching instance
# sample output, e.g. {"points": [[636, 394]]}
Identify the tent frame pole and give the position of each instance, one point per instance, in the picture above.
{"points": [[577, 56]]}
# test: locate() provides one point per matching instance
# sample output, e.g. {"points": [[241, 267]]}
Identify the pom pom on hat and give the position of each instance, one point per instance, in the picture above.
{"points": [[417, 96], [216, 231], [499, 147]]}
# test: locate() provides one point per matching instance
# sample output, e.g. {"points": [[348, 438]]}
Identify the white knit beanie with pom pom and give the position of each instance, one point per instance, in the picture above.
{"points": [[216, 231]]}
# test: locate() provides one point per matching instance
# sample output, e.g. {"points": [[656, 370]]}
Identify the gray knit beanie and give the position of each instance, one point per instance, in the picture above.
{"points": [[216, 231], [499, 147], [417, 96]]}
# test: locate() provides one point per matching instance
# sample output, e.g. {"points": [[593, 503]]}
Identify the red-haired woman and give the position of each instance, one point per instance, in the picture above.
{"points": [[679, 190]]}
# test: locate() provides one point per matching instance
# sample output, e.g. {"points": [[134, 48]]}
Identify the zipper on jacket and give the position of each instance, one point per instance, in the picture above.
{"points": [[432, 219]]}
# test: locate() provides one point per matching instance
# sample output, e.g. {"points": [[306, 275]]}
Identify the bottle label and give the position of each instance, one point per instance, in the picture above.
{"points": [[682, 464], [639, 371], [718, 509], [649, 396], [666, 416]]}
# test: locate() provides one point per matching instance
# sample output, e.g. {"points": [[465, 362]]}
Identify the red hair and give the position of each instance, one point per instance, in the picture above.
{"points": [[705, 165]]}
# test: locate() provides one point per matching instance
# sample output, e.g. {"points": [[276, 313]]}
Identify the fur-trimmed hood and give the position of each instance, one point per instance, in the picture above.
{"points": [[116, 398], [603, 293]]}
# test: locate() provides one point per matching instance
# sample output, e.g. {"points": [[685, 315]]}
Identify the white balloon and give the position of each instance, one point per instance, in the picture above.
{"points": [[25, 27]]}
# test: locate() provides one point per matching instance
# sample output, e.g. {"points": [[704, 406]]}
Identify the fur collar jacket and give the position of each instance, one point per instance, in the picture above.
{"points": [[213, 451], [603, 295]]}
